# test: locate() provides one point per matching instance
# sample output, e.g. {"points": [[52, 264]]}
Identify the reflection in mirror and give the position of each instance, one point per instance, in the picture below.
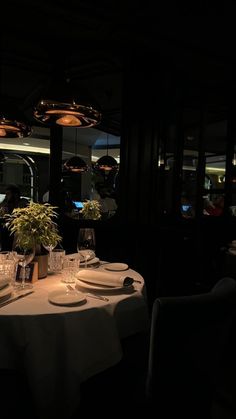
{"points": [[28, 167], [96, 183], [105, 182], [18, 170]]}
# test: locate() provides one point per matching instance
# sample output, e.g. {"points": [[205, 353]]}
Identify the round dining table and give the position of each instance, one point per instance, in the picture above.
{"points": [[60, 345]]}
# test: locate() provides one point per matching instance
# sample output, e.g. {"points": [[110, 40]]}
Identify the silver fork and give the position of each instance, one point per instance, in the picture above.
{"points": [[98, 297]]}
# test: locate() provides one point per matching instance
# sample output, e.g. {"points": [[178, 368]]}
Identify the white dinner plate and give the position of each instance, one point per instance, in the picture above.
{"points": [[118, 267], [93, 261], [104, 288], [64, 297], [6, 292]]}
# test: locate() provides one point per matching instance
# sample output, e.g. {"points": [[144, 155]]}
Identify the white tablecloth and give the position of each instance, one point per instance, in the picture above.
{"points": [[59, 347]]}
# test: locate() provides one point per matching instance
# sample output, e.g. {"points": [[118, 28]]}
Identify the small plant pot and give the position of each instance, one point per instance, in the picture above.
{"points": [[42, 265]]}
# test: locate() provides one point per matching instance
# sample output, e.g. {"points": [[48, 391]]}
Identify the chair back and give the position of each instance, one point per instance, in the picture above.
{"points": [[189, 339]]}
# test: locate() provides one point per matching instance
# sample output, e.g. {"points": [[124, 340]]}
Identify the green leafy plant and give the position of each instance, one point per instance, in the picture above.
{"points": [[91, 210], [34, 225]]}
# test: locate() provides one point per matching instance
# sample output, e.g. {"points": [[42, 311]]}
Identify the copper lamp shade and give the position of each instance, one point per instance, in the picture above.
{"points": [[76, 165], [106, 163], [61, 104], [11, 127], [66, 114]]}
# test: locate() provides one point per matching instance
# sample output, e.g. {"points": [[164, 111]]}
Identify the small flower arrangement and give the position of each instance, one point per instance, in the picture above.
{"points": [[91, 210]]}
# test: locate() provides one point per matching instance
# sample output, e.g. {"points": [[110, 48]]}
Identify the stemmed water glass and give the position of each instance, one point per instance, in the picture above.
{"points": [[86, 241], [23, 257], [49, 248]]}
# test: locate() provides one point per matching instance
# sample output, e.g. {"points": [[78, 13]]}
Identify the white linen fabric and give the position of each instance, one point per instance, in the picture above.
{"points": [[104, 278], [61, 346]]}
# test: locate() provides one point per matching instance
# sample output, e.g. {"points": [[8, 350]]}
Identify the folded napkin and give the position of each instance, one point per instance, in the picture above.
{"points": [[104, 278]]}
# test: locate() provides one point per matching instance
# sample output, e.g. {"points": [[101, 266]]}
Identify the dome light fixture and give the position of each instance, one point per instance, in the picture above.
{"points": [[66, 114], [75, 164], [10, 127], [59, 105], [106, 163]]}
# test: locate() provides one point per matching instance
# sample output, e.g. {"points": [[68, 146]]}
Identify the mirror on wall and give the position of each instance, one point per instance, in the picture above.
{"points": [[26, 164]]}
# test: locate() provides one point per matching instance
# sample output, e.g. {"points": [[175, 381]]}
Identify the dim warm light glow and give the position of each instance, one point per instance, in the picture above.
{"points": [[66, 114], [69, 120], [3, 132], [215, 169], [5, 128], [106, 168]]}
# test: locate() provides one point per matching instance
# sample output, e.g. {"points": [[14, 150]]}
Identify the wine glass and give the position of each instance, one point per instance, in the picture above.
{"points": [[23, 257], [49, 248], [86, 241]]}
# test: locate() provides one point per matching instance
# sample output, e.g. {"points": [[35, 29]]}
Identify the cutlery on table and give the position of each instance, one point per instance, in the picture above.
{"points": [[98, 297], [134, 280], [11, 300], [108, 263]]}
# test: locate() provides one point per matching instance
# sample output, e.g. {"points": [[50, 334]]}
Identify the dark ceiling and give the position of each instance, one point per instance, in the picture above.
{"points": [[90, 42]]}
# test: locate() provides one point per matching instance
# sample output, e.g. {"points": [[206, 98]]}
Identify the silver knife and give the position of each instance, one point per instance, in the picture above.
{"points": [[88, 294], [98, 297], [10, 300]]}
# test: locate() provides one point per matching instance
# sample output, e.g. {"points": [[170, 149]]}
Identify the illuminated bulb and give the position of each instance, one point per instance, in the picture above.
{"points": [[68, 120]]}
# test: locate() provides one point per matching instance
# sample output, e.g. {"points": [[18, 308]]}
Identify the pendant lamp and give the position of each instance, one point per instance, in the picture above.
{"points": [[60, 105], [75, 164], [106, 163], [12, 123]]}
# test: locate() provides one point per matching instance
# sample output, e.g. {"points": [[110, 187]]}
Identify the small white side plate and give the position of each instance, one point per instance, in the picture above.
{"points": [[66, 297], [118, 267]]}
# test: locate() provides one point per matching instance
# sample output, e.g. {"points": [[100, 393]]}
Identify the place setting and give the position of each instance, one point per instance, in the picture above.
{"points": [[87, 258], [115, 266], [105, 282], [67, 297]]}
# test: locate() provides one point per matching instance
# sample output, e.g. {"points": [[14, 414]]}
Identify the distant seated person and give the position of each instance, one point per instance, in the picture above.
{"points": [[109, 206], [106, 200], [187, 210], [12, 200], [214, 208]]}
